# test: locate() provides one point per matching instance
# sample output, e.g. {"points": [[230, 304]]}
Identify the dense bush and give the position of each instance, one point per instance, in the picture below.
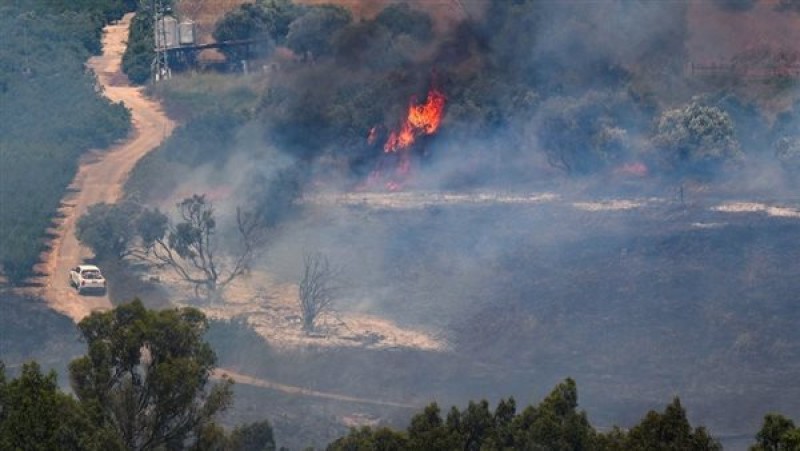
{"points": [[310, 34], [51, 113], [265, 19], [138, 57], [696, 138]]}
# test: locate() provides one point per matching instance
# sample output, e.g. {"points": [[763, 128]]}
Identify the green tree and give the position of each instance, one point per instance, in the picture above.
{"points": [[311, 33], [36, 415], [147, 375], [252, 437], [109, 229], [265, 19], [580, 135], [696, 138], [778, 433], [139, 53], [368, 439], [554, 424], [669, 431], [399, 18], [427, 430]]}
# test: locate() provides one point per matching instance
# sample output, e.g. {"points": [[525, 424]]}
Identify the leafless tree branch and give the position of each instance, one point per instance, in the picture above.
{"points": [[317, 289]]}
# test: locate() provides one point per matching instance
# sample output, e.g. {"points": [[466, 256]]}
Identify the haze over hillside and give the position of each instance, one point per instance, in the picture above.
{"points": [[499, 197]]}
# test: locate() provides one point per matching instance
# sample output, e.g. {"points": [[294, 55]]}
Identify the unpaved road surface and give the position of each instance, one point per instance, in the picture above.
{"points": [[300, 391], [101, 175]]}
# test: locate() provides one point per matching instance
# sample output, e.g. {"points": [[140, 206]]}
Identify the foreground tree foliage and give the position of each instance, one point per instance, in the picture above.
{"points": [[145, 384], [147, 375], [668, 430], [778, 433], [109, 229], [554, 424], [35, 414]]}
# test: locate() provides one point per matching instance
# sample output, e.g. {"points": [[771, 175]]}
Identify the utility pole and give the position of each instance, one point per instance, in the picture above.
{"points": [[160, 67]]}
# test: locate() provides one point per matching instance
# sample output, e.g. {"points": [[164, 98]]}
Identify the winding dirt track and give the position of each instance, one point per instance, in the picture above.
{"points": [[100, 177], [300, 391]]}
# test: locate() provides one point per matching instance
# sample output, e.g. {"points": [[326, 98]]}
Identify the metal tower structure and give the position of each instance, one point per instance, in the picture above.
{"points": [[160, 67]]}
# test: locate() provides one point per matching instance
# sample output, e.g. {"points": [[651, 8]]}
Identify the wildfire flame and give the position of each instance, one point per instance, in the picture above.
{"points": [[422, 119]]}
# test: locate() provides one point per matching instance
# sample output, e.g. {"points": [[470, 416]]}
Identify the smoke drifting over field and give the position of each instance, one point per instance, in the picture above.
{"points": [[586, 243]]}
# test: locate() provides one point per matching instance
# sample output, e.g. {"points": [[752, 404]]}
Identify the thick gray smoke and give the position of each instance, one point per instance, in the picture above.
{"points": [[562, 246]]}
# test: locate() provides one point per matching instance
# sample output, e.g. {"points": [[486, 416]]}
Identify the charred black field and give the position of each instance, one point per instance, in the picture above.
{"points": [[638, 300]]}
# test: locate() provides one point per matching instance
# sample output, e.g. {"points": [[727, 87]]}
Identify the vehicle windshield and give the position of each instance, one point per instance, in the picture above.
{"points": [[91, 274]]}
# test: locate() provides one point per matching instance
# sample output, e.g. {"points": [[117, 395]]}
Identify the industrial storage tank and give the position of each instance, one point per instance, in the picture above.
{"points": [[186, 32], [167, 32]]}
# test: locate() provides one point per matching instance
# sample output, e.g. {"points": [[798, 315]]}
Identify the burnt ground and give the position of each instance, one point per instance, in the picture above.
{"points": [[639, 301], [637, 304]]}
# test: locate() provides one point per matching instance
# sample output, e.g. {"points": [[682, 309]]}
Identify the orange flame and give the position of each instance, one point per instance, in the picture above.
{"points": [[422, 119], [373, 135]]}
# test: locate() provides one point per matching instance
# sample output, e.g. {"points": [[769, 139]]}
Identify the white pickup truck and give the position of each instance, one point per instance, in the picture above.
{"points": [[86, 278]]}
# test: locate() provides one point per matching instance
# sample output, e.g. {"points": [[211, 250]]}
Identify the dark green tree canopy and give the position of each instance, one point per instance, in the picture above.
{"points": [[553, 424], [778, 433], [311, 33], [147, 375], [253, 437], [399, 18], [262, 19], [36, 415], [266, 20], [669, 430]]}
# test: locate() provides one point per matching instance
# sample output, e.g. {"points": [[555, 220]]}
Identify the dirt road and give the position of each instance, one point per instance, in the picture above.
{"points": [[301, 391], [101, 175]]}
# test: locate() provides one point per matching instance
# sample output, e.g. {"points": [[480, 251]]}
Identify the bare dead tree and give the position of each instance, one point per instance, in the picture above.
{"points": [[317, 288], [188, 247]]}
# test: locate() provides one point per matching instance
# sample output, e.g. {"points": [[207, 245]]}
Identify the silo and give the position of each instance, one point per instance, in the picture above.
{"points": [[186, 32], [167, 32]]}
